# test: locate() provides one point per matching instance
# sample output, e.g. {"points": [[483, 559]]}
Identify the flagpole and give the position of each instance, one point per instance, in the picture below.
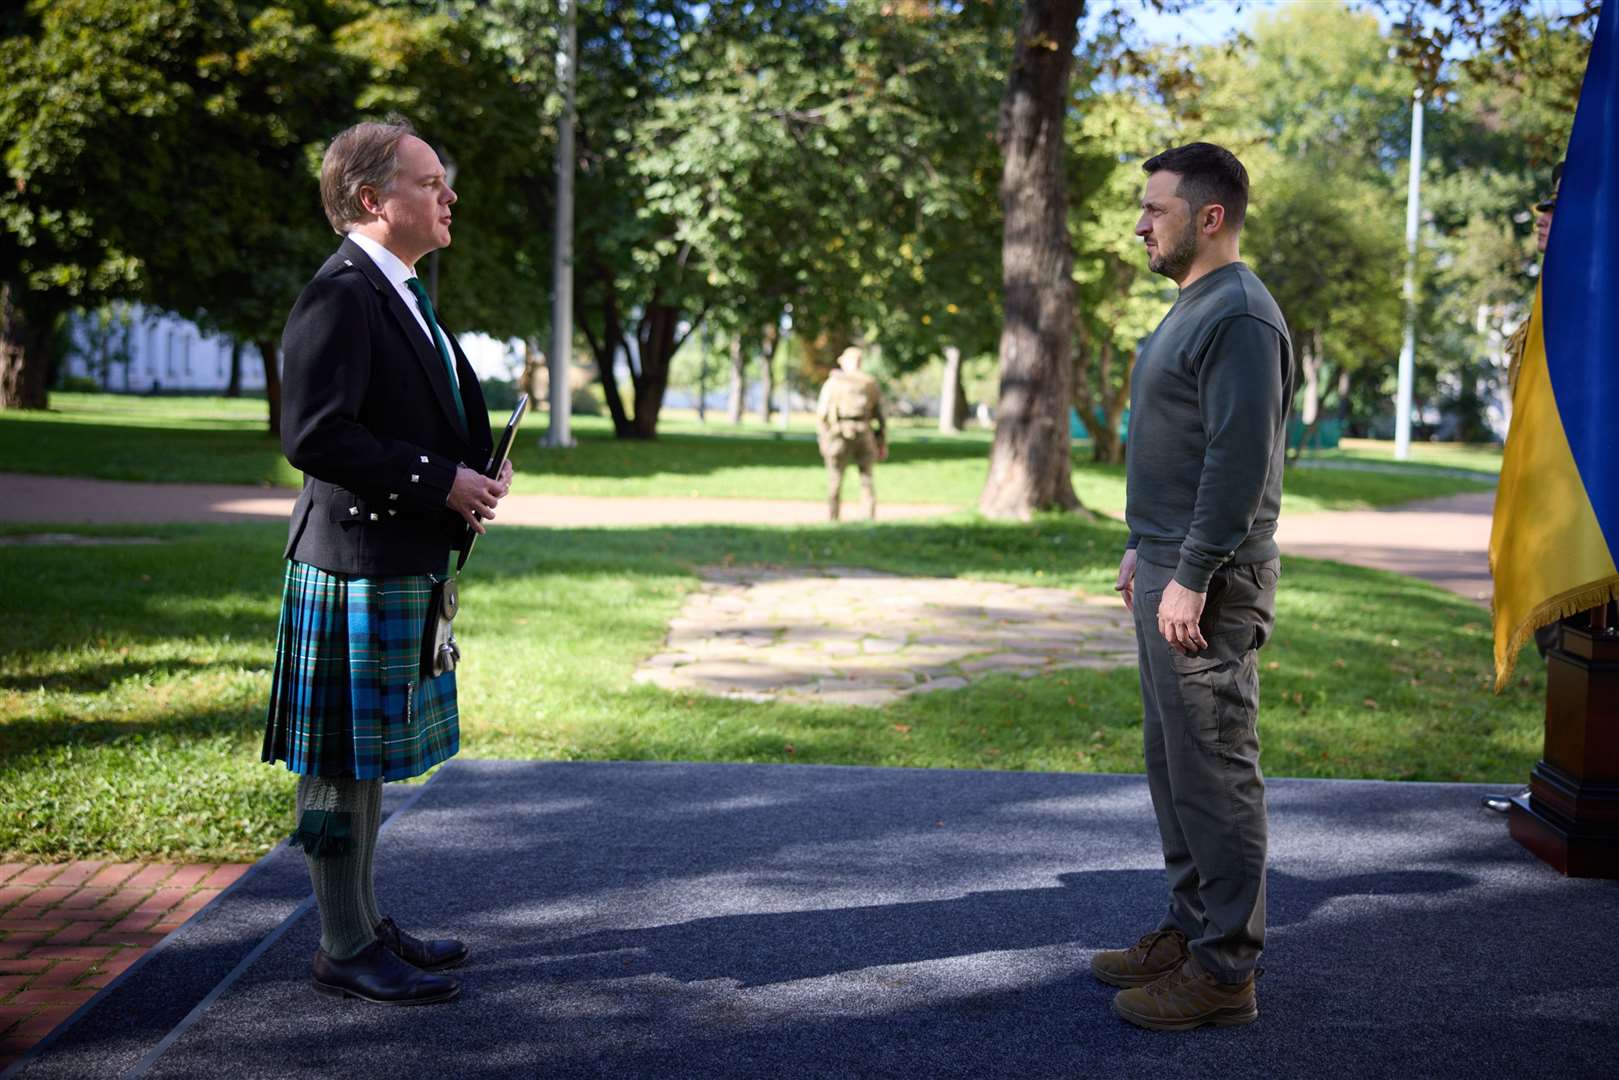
{"points": [[1408, 348], [558, 434]]}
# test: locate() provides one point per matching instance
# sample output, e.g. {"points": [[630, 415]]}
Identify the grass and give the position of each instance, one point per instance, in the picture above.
{"points": [[133, 678], [1473, 457], [222, 440]]}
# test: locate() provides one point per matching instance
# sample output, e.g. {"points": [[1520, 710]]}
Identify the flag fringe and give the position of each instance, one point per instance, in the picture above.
{"points": [[1547, 612]]}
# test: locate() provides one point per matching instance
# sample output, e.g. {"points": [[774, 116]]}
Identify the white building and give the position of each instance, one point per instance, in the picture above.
{"points": [[129, 348]]}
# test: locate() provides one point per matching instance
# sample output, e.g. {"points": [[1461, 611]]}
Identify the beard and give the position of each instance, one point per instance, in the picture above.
{"points": [[1175, 262]]}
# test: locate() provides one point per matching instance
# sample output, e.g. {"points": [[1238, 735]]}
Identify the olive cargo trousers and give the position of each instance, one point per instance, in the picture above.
{"points": [[1201, 742]]}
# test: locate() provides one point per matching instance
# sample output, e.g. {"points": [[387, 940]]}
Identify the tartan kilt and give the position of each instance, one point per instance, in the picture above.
{"points": [[347, 698]]}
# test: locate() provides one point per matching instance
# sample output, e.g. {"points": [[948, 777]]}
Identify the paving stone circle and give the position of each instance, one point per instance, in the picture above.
{"points": [[859, 637]]}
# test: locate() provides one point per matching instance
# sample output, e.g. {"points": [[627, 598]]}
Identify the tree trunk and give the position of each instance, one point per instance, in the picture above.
{"points": [[952, 398], [1029, 467], [702, 380], [1310, 364], [1113, 405], [767, 361], [656, 342], [1084, 396], [606, 350], [1102, 417], [272, 382], [739, 380], [234, 387], [535, 381], [605, 361], [1311, 360], [24, 361]]}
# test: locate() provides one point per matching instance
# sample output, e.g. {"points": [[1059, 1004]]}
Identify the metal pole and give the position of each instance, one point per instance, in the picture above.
{"points": [[558, 435], [785, 335], [702, 375], [1408, 348]]}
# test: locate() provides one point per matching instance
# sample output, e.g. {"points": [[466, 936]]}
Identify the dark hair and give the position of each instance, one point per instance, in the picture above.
{"points": [[1209, 174]]}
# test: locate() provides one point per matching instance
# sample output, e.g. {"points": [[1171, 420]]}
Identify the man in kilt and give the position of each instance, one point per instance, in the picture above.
{"points": [[380, 410]]}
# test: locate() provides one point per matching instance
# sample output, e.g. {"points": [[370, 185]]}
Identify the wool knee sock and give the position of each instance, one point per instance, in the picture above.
{"points": [[368, 885], [334, 835]]}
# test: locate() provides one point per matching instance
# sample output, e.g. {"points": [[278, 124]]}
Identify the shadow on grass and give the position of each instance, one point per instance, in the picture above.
{"points": [[1369, 674], [599, 455], [91, 678], [34, 735], [228, 454]]}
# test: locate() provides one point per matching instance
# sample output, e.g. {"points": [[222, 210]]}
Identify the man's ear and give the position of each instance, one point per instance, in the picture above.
{"points": [[1212, 218], [371, 199]]}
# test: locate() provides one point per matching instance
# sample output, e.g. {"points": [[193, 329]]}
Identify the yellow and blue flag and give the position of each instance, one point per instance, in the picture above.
{"points": [[1555, 538]]}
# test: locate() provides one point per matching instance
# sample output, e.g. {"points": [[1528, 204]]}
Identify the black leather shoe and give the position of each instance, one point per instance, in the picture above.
{"points": [[378, 976], [434, 955]]}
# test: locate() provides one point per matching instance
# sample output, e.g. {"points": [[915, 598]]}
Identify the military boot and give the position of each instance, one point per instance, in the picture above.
{"points": [[1186, 998], [1154, 956]]}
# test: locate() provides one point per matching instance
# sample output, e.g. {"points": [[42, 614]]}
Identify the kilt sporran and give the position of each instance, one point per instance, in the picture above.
{"points": [[439, 649]]}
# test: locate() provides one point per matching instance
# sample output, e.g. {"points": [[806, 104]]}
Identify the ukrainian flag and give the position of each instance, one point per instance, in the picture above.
{"points": [[1555, 537]]}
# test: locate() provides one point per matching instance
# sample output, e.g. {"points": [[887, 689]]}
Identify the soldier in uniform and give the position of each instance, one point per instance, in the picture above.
{"points": [[850, 427]]}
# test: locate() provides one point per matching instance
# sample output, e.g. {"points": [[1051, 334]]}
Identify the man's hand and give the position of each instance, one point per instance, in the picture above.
{"points": [[474, 495], [1178, 613], [1126, 582]]}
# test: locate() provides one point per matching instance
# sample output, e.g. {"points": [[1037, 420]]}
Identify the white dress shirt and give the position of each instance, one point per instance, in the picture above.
{"points": [[398, 273]]}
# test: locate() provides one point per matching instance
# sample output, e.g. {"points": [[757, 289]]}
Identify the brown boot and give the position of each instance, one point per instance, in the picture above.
{"points": [[1186, 998], [1151, 958]]}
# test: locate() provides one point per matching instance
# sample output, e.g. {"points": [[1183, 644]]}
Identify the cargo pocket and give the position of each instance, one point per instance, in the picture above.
{"points": [[1219, 709], [1200, 678]]}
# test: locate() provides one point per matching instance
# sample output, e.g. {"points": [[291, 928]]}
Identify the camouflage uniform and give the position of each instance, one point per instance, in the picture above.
{"points": [[850, 428]]}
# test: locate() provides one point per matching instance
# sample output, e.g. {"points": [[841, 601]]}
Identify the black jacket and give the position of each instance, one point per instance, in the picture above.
{"points": [[367, 415]]}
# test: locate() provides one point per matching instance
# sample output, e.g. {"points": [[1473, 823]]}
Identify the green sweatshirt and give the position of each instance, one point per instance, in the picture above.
{"points": [[1208, 411]]}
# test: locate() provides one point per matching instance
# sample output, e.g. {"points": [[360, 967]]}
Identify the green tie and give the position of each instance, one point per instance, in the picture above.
{"points": [[415, 285]]}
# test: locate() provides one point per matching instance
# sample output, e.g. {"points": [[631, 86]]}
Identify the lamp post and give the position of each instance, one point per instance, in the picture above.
{"points": [[702, 375], [1408, 348], [786, 337], [558, 434]]}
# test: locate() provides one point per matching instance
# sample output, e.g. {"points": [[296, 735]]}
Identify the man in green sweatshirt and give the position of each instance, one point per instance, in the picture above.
{"points": [[1208, 412]]}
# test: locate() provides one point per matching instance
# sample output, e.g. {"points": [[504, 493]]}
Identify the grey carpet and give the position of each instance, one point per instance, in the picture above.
{"points": [[758, 921]]}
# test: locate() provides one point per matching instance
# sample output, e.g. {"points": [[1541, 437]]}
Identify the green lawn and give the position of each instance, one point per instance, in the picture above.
{"points": [[133, 678], [1470, 456], [220, 440]]}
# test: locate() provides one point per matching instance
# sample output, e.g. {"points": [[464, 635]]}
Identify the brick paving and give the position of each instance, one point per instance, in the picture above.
{"points": [[69, 929]]}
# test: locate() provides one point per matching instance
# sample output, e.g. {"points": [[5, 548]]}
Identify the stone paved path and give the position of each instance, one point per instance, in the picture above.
{"points": [[67, 930], [848, 636], [1443, 541], [76, 501]]}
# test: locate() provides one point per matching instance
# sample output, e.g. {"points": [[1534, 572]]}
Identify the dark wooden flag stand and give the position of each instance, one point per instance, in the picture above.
{"points": [[1570, 816]]}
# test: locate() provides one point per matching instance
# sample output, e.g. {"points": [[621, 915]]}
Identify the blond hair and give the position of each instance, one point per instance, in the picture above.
{"points": [[365, 155]]}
